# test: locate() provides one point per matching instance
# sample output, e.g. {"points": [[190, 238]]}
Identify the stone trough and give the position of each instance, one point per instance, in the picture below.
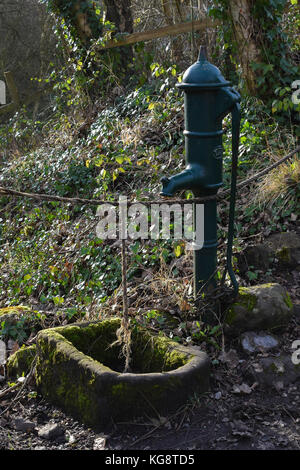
{"points": [[78, 370]]}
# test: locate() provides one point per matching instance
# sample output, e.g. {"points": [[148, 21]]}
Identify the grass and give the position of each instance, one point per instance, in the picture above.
{"points": [[283, 180]]}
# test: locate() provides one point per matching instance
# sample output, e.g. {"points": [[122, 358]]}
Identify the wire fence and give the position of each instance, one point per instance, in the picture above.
{"points": [[96, 202], [124, 332]]}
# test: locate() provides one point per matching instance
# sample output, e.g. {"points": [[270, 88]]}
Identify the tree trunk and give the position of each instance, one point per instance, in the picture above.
{"points": [[119, 13], [173, 12], [248, 49], [81, 17]]}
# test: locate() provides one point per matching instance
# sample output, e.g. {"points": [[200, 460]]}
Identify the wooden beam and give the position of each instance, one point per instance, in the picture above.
{"points": [[171, 30]]}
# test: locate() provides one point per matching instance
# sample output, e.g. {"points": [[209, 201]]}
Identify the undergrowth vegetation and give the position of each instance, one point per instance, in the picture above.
{"points": [[50, 256]]}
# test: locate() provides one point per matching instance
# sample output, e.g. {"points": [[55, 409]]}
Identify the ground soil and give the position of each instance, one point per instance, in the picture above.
{"points": [[260, 419]]}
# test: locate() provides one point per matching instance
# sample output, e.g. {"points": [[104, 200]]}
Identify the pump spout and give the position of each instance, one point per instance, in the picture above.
{"points": [[188, 179]]}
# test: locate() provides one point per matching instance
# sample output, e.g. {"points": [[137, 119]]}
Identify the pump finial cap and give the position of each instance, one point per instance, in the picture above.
{"points": [[202, 54]]}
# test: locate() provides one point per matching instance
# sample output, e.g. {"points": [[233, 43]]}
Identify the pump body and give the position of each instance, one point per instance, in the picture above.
{"points": [[208, 98]]}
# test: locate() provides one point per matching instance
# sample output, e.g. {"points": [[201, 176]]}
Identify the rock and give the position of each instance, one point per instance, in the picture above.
{"points": [[283, 247], [258, 256], [239, 428], [14, 314], [20, 362], [229, 358], [70, 438], [258, 342], [286, 248], [51, 431], [243, 388], [259, 307], [23, 425], [85, 378], [275, 372]]}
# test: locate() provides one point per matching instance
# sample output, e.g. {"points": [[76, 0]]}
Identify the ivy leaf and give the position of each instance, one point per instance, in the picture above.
{"points": [[119, 160], [177, 251]]}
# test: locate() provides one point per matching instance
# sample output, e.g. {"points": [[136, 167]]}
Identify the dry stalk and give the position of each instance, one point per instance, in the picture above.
{"points": [[124, 333]]}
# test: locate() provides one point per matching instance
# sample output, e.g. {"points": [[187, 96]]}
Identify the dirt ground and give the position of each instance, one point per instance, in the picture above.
{"points": [[228, 417]]}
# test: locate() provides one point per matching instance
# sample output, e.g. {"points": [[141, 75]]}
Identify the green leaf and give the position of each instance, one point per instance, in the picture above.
{"points": [[177, 251], [120, 160]]}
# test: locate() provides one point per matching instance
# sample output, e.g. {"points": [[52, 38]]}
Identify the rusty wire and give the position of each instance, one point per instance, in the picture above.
{"points": [[97, 202]]}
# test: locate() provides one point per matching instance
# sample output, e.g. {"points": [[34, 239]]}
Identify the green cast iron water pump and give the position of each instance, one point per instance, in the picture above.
{"points": [[208, 98]]}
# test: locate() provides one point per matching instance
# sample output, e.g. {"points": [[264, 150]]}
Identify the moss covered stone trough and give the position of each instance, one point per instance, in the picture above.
{"points": [[79, 370]]}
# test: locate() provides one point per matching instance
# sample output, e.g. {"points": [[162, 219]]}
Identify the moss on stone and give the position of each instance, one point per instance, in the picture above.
{"points": [[288, 301], [15, 310], [78, 370], [246, 300], [230, 316], [56, 378], [283, 255], [259, 307], [11, 315], [20, 362], [149, 353]]}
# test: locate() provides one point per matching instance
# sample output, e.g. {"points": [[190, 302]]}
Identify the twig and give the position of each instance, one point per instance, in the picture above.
{"points": [[9, 389], [123, 333], [124, 282], [23, 385]]}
